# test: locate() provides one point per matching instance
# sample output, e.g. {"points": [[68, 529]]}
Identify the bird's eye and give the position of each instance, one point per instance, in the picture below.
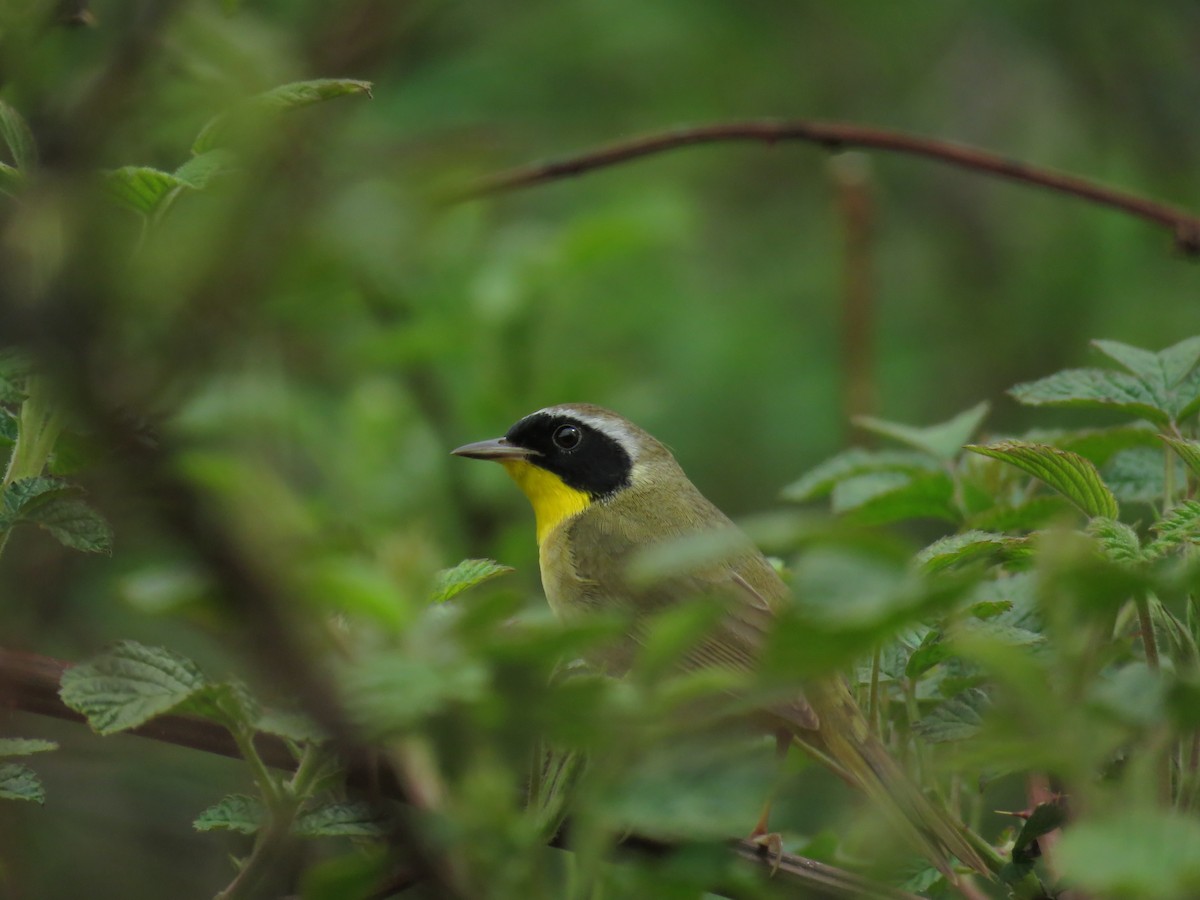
{"points": [[567, 437]]}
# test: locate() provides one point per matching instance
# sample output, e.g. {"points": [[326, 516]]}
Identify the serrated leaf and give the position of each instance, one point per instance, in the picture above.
{"points": [[18, 138], [1092, 389], [851, 463], [341, 820], [1162, 370], [1118, 541], [199, 171], [142, 188], [1140, 853], [1188, 451], [884, 497], [73, 522], [1068, 473], [932, 650], [18, 782], [1179, 526], [942, 441], [955, 719], [228, 703], [1137, 475], [129, 685], [233, 812], [25, 746], [467, 574], [965, 547], [285, 97]]}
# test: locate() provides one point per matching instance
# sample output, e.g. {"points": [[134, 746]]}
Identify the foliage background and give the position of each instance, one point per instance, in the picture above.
{"points": [[356, 330]]}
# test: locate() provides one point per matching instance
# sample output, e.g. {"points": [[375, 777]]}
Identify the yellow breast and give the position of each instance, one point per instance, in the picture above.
{"points": [[553, 500]]}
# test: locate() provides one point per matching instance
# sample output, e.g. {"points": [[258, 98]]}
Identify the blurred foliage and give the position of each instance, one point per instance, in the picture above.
{"points": [[224, 221]]}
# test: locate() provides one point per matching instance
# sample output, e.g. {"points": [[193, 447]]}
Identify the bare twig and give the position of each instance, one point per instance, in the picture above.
{"points": [[1184, 226]]}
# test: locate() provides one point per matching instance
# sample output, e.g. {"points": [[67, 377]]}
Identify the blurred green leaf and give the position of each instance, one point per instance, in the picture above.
{"points": [[17, 138], [340, 820], [884, 497], [942, 441], [18, 782], [1187, 450], [851, 463], [968, 546], [25, 746], [1134, 694], [1068, 473], [277, 100], [130, 684], [1026, 516], [1138, 853], [233, 812], [467, 574], [143, 189], [1137, 475], [1099, 444], [11, 180], [200, 171], [295, 726]]}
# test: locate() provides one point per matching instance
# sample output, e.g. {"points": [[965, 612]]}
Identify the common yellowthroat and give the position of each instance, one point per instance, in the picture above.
{"points": [[602, 490]]}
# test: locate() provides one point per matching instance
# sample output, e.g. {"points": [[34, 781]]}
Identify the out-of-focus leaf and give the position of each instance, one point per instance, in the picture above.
{"points": [[392, 692], [295, 726], [467, 574], [11, 180], [851, 463], [942, 441], [199, 171], [18, 138], [956, 719], [130, 684], [280, 99], [1187, 450], [1068, 473], [1137, 475], [233, 812], [1027, 516], [340, 820], [18, 782], [1099, 444], [142, 188], [25, 746], [1133, 694], [967, 547], [1093, 389], [885, 497], [1139, 853]]}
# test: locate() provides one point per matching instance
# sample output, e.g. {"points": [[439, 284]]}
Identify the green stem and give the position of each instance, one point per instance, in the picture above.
{"points": [[913, 715], [874, 714], [1168, 478], [1146, 626], [267, 785]]}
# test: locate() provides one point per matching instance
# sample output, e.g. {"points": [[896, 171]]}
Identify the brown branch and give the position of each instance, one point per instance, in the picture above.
{"points": [[1184, 226], [29, 683]]}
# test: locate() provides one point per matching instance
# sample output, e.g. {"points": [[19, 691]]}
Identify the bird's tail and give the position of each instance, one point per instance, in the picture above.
{"points": [[845, 742]]}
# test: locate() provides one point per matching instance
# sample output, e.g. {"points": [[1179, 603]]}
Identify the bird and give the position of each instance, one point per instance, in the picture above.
{"points": [[603, 490]]}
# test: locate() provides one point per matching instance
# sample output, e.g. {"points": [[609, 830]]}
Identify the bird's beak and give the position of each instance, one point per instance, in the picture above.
{"points": [[496, 449]]}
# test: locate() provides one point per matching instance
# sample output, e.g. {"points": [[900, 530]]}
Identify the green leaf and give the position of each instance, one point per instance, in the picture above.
{"points": [[851, 463], [341, 820], [1068, 473], [129, 685], [1027, 516], [199, 171], [233, 812], [18, 138], [11, 180], [1187, 450], [932, 650], [1099, 444], [142, 188], [1178, 527], [467, 574], [280, 99], [942, 441], [1160, 371], [1118, 541], [1046, 817], [295, 726], [1140, 853], [884, 497], [57, 506], [1136, 475], [25, 746], [18, 782], [1093, 389], [967, 547], [955, 719]]}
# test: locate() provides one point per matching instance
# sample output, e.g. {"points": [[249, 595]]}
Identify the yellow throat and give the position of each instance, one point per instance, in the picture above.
{"points": [[553, 500]]}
